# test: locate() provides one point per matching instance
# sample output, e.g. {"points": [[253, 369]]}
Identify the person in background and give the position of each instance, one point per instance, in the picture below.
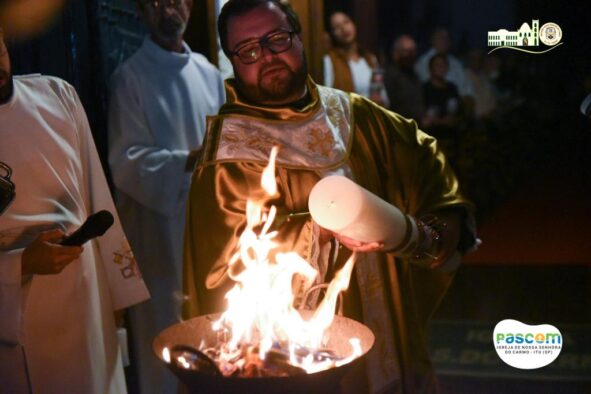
{"points": [[441, 44], [57, 303], [349, 67], [443, 106], [404, 88], [159, 100], [484, 96], [503, 87], [322, 131]]}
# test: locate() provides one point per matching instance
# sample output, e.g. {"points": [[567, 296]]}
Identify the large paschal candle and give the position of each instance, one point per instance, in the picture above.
{"points": [[340, 205]]}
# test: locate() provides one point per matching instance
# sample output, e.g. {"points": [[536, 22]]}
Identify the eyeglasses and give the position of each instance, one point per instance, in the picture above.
{"points": [[275, 42], [160, 3]]}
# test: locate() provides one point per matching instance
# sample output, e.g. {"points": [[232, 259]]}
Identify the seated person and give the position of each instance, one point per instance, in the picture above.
{"points": [[443, 106]]}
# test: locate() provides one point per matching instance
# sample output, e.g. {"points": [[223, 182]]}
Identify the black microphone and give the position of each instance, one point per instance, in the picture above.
{"points": [[95, 225]]}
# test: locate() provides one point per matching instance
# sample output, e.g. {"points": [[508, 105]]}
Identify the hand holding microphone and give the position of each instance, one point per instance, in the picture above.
{"points": [[50, 252], [96, 225], [45, 256]]}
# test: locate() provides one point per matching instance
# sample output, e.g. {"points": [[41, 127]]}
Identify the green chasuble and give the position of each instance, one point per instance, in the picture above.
{"points": [[335, 132]]}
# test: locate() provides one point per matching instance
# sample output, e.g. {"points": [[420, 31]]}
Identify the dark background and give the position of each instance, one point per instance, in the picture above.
{"points": [[90, 38]]}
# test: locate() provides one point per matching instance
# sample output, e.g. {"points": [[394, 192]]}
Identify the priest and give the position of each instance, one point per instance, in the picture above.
{"points": [[323, 131]]}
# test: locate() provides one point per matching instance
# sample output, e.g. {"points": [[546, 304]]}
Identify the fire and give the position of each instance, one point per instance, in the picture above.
{"points": [[261, 316], [268, 176]]}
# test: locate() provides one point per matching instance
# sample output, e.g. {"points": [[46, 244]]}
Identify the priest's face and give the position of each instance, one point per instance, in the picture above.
{"points": [[276, 73], [166, 19], [5, 71]]}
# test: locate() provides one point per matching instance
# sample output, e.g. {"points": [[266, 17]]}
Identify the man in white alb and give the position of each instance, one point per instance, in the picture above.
{"points": [[57, 303], [160, 98]]}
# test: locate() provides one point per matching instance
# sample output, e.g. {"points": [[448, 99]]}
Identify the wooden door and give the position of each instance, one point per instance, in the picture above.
{"points": [[311, 13]]}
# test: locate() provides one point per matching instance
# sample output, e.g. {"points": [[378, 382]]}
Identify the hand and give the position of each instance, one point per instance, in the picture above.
{"points": [[359, 246], [449, 238], [351, 244], [45, 257]]}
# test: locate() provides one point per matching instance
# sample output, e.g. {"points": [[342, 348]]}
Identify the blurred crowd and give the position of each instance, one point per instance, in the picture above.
{"points": [[485, 110]]}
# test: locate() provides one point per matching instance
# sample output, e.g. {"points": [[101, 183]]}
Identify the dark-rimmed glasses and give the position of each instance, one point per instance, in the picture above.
{"points": [[252, 51]]}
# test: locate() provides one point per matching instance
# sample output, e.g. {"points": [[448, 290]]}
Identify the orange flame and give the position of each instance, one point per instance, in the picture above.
{"points": [[268, 176], [261, 304]]}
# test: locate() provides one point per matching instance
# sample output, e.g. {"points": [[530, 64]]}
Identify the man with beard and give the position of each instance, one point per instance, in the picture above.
{"points": [[160, 98], [57, 303], [403, 85], [321, 131]]}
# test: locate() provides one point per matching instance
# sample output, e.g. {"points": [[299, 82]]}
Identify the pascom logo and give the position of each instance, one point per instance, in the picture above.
{"points": [[509, 338], [526, 347]]}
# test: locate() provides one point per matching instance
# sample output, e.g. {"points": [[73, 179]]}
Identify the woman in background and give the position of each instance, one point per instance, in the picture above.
{"points": [[347, 66]]}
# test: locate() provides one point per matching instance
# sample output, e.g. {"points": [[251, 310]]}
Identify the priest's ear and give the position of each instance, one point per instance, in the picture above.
{"points": [[4, 58]]}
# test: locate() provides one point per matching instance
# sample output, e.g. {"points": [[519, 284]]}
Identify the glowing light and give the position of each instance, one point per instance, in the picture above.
{"points": [[166, 355], [268, 177], [261, 311], [357, 351]]}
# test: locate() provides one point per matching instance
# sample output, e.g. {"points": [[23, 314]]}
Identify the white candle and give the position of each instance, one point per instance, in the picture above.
{"points": [[340, 205]]}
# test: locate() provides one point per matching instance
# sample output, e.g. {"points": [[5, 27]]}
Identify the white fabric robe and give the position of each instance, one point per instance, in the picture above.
{"points": [[360, 72], [159, 102], [62, 324]]}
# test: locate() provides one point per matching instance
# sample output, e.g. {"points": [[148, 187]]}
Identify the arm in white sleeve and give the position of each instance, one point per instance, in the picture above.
{"points": [[328, 72], [466, 87], [153, 176], [126, 285], [457, 75], [422, 65], [220, 84]]}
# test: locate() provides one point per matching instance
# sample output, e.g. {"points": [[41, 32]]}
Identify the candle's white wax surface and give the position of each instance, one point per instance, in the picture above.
{"points": [[340, 205]]}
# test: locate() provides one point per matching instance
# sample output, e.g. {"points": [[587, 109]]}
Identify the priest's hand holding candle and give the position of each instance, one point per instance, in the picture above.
{"points": [[364, 222]]}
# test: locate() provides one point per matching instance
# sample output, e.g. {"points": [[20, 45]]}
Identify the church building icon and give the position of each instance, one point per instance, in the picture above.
{"points": [[526, 36]]}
